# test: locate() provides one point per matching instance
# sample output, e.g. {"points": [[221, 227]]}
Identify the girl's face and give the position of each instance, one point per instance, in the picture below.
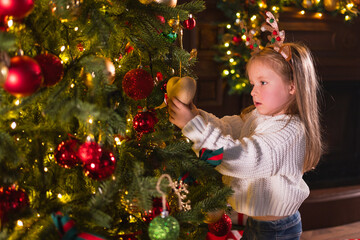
{"points": [[271, 94]]}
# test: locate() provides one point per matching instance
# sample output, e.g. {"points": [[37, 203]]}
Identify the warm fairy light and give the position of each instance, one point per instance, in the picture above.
{"points": [[347, 17], [72, 85], [302, 12], [45, 169], [113, 178], [51, 149], [253, 18], [17, 139], [76, 28], [228, 26], [13, 125], [274, 8], [10, 23], [238, 86], [226, 44], [129, 119], [232, 71], [343, 10], [60, 136], [243, 37], [319, 15], [237, 21], [238, 15], [350, 5], [243, 84], [62, 48], [117, 140], [30, 140], [59, 196], [90, 120], [231, 60], [226, 72], [127, 131], [120, 66], [20, 223], [228, 52], [38, 215]]}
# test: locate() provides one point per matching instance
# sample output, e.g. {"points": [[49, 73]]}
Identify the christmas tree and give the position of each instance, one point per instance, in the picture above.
{"points": [[84, 141]]}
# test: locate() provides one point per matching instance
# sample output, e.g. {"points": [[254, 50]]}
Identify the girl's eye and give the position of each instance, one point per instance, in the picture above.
{"points": [[263, 83]]}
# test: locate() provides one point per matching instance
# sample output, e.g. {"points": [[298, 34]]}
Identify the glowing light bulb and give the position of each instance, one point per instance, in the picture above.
{"points": [[10, 23], [62, 48], [228, 52], [227, 44], [13, 125], [237, 14], [302, 12], [76, 28], [20, 223], [226, 72], [59, 196], [45, 169], [90, 120], [228, 26], [347, 17], [253, 18], [231, 60]]}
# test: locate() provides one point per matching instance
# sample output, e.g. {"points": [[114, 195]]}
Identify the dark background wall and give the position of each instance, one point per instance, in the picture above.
{"points": [[336, 48]]}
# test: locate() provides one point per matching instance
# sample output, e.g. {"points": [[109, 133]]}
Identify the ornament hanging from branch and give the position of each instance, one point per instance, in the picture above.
{"points": [[165, 227]]}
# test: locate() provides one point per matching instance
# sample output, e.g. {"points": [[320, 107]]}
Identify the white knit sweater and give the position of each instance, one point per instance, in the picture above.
{"points": [[262, 162]]}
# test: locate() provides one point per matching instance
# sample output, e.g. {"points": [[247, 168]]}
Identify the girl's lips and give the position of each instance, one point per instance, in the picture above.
{"points": [[257, 104]]}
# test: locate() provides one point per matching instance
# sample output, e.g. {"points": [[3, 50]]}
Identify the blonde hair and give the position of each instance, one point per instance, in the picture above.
{"points": [[300, 71]]}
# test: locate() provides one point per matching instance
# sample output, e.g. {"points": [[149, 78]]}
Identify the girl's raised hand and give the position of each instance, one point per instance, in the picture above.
{"points": [[180, 113]]}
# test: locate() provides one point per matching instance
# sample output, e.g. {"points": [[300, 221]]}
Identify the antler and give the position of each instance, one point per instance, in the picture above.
{"points": [[277, 37], [250, 41]]}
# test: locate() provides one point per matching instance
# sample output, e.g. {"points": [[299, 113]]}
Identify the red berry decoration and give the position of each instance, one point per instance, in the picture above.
{"points": [[80, 47], [221, 227], [157, 208], [138, 84], [51, 68], [3, 24], [144, 122], [189, 23], [89, 151], [16, 8], [66, 153], [102, 167], [24, 76], [236, 40]]}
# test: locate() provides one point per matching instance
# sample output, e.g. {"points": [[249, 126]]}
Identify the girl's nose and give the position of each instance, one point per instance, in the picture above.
{"points": [[252, 93]]}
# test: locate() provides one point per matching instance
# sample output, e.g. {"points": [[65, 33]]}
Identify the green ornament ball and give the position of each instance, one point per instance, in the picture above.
{"points": [[164, 228]]}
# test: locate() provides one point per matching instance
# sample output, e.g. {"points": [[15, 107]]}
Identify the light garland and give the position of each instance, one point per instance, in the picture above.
{"points": [[233, 52]]}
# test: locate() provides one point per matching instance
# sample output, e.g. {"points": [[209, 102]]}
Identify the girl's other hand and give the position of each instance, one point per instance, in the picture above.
{"points": [[180, 113]]}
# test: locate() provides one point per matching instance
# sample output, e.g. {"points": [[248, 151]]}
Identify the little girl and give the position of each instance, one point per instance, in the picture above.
{"points": [[269, 146]]}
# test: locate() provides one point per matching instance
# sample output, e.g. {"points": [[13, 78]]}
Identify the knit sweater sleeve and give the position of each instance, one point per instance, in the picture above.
{"points": [[228, 125], [259, 155]]}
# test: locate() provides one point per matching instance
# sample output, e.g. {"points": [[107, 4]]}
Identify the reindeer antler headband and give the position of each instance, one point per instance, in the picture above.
{"points": [[277, 37]]}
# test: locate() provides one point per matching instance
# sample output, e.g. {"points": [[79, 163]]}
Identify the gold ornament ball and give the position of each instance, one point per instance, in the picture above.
{"points": [[109, 71], [146, 1], [170, 3], [4, 70]]}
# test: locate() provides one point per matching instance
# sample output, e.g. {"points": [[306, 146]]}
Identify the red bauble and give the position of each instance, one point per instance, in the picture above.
{"points": [[138, 84], [144, 122], [16, 8], [51, 68], [66, 153], [12, 201], [221, 227], [24, 76], [156, 210], [89, 151], [101, 167], [189, 23]]}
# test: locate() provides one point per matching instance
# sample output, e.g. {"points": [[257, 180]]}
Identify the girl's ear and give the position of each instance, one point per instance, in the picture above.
{"points": [[292, 88]]}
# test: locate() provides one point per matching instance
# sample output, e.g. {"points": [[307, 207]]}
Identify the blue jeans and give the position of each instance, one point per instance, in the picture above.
{"points": [[289, 228]]}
